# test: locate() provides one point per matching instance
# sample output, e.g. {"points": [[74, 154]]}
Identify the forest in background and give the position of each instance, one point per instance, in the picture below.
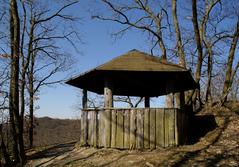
{"points": [[198, 35]]}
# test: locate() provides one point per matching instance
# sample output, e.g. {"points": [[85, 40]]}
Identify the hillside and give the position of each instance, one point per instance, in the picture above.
{"points": [[49, 131], [219, 146]]}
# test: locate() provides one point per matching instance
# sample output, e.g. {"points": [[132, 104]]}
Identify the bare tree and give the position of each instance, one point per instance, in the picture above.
{"points": [[18, 147], [42, 52], [179, 43], [209, 36], [146, 20], [230, 73]]}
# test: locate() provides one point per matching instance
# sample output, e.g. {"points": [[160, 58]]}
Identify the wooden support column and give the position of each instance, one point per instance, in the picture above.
{"points": [[146, 102], [108, 94], [180, 100], [84, 120], [84, 99], [106, 119], [170, 95]]}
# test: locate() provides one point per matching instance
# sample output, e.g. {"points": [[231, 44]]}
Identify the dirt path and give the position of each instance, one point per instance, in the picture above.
{"points": [[49, 155], [219, 147]]}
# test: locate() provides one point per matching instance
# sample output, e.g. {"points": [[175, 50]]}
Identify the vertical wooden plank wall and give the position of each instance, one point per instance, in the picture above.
{"points": [[100, 142], [120, 129], [166, 128], [152, 136], [160, 127], [133, 128], [107, 120], [171, 127], [84, 128], [113, 126], [140, 129], [96, 129], [126, 129], [146, 128], [90, 128]]}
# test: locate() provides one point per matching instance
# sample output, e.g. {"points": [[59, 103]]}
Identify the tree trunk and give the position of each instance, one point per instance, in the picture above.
{"points": [[31, 105], [180, 48], [199, 49], [3, 150], [228, 79], [18, 145], [31, 116], [181, 53], [209, 75], [25, 64]]}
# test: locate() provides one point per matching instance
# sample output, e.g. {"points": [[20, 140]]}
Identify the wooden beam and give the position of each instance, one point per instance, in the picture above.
{"points": [[84, 120], [180, 100], [108, 94], [170, 95], [146, 102], [84, 99]]}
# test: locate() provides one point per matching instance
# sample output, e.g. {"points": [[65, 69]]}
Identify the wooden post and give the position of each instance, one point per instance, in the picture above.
{"points": [[84, 120], [132, 128], [108, 94], [146, 102], [171, 127], [84, 99], [113, 128], [105, 128], [96, 128], [180, 100], [120, 129], [176, 126], [146, 128], [152, 129], [166, 127], [170, 96], [126, 129], [140, 129], [159, 127]]}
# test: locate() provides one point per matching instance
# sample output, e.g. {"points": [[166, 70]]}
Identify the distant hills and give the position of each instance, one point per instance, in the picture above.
{"points": [[50, 131]]}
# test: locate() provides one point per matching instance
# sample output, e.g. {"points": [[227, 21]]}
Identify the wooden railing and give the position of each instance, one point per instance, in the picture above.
{"points": [[133, 128]]}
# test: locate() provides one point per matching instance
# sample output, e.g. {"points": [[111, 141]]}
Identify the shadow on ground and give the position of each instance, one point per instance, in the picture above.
{"points": [[53, 151], [200, 125]]}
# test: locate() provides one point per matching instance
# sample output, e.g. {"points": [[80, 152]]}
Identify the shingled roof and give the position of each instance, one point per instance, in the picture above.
{"points": [[136, 74], [135, 60]]}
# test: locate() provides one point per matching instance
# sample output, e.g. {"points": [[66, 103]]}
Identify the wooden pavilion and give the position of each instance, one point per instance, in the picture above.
{"points": [[134, 74]]}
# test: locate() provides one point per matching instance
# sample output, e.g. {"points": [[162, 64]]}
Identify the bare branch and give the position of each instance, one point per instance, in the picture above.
{"points": [[58, 14]]}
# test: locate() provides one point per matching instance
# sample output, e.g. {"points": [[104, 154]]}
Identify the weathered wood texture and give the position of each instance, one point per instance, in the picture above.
{"points": [[84, 128], [134, 128], [108, 94]]}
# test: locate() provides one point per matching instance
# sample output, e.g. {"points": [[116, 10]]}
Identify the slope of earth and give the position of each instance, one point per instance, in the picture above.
{"points": [[218, 147]]}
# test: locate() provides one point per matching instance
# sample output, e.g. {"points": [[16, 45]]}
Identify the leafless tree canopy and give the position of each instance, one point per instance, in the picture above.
{"points": [[199, 35], [31, 56]]}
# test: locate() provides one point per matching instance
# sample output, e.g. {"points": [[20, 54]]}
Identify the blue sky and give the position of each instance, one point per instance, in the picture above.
{"points": [[99, 47], [59, 101]]}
